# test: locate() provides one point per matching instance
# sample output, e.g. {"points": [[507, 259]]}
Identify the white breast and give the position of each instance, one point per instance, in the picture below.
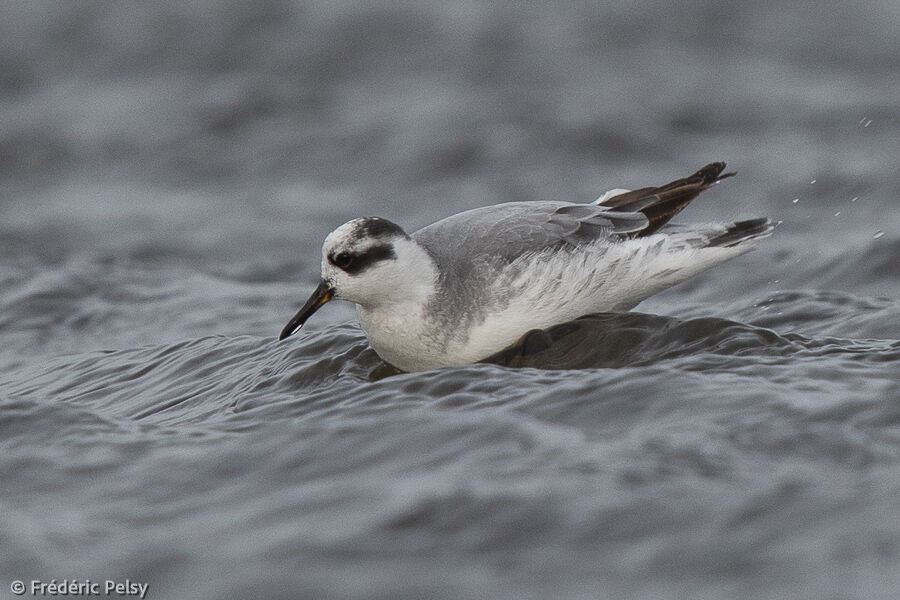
{"points": [[403, 336]]}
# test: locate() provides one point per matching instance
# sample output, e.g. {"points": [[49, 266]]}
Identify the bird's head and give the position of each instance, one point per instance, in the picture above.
{"points": [[369, 261]]}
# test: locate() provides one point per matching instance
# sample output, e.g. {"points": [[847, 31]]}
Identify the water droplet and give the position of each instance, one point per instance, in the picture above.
{"points": [[878, 234], [795, 200], [837, 214]]}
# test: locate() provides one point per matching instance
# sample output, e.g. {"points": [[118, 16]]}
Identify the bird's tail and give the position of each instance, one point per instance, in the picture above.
{"points": [[742, 231]]}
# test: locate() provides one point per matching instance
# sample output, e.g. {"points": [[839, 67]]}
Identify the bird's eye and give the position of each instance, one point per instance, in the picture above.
{"points": [[343, 260]]}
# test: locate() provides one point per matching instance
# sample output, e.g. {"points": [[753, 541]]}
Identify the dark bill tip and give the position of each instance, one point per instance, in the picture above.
{"points": [[320, 296]]}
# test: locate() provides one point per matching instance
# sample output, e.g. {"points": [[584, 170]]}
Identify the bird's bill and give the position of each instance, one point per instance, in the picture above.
{"points": [[323, 294]]}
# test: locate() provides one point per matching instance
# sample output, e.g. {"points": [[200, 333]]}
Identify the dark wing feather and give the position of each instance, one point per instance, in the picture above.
{"points": [[659, 204]]}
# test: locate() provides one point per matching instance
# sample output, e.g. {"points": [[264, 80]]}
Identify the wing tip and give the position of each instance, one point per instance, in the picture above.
{"points": [[712, 173]]}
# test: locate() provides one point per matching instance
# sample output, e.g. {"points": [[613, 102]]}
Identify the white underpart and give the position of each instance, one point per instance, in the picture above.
{"points": [[541, 290]]}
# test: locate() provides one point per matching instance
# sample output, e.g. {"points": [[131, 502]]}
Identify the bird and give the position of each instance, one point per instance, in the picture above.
{"points": [[472, 284]]}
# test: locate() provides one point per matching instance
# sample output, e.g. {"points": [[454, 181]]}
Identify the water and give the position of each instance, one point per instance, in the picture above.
{"points": [[168, 172]]}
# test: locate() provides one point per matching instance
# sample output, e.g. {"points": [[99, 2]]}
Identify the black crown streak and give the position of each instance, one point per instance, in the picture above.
{"points": [[360, 262], [374, 227]]}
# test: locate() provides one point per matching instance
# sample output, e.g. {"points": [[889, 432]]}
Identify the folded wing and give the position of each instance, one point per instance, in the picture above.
{"points": [[507, 231]]}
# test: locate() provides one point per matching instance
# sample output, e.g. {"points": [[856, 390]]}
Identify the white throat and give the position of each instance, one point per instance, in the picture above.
{"points": [[394, 318]]}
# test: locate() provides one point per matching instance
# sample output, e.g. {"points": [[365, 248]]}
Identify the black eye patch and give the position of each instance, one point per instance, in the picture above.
{"points": [[355, 264]]}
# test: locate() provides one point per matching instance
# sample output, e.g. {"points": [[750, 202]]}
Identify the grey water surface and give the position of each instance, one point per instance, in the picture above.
{"points": [[168, 171]]}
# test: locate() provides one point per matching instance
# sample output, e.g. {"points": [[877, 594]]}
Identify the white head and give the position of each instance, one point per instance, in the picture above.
{"points": [[370, 261]]}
